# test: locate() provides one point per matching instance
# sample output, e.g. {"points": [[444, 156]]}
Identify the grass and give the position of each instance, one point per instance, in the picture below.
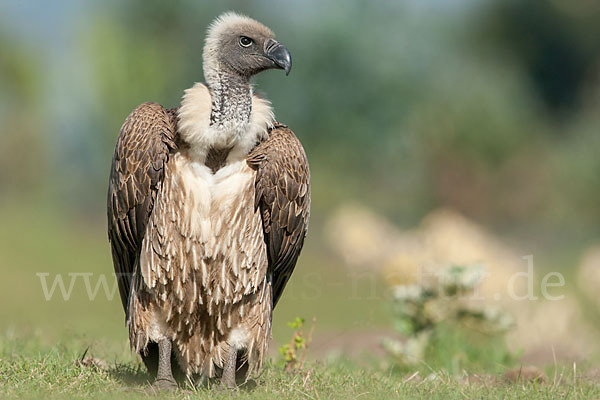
{"points": [[29, 370]]}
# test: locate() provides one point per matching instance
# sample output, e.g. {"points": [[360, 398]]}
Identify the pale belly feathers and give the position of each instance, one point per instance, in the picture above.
{"points": [[204, 255]]}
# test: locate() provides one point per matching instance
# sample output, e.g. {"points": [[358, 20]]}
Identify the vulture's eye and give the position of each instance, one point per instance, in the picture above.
{"points": [[245, 41]]}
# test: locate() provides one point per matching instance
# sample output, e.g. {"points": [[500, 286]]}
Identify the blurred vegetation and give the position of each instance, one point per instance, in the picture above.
{"points": [[21, 111], [440, 326], [489, 107]]}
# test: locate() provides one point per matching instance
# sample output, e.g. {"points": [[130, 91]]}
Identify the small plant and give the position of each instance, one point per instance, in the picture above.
{"points": [[294, 352], [439, 326]]}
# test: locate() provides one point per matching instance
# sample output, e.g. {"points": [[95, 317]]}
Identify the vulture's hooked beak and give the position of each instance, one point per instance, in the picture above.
{"points": [[277, 53]]}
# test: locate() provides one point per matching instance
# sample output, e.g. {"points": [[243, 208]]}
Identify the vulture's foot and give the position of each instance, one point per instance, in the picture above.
{"points": [[164, 377], [164, 385], [228, 378]]}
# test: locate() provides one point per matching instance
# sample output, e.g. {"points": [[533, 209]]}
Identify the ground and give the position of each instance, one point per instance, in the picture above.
{"points": [[30, 370]]}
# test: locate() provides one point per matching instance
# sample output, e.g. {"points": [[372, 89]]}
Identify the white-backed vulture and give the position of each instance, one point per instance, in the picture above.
{"points": [[208, 207]]}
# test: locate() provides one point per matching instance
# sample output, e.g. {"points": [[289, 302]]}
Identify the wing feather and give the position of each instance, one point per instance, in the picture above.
{"points": [[283, 196], [145, 142]]}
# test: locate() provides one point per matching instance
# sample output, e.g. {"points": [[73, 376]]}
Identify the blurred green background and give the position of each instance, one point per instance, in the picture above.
{"points": [[487, 107]]}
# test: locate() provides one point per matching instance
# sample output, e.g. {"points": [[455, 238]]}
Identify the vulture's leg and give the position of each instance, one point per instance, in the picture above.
{"points": [[228, 378], [164, 377]]}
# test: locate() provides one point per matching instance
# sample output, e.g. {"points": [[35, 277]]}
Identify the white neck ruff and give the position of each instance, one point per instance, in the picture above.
{"points": [[194, 126]]}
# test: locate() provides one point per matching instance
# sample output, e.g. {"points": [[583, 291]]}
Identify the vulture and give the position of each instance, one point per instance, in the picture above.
{"points": [[208, 208]]}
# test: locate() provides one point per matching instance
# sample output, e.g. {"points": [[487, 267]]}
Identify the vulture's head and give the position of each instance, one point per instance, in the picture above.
{"points": [[239, 45]]}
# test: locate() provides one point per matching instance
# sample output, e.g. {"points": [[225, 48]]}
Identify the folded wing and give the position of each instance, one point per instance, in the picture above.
{"points": [[283, 197], [145, 142]]}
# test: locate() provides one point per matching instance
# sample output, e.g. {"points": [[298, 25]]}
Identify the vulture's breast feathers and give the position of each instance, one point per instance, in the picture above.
{"points": [[210, 169], [207, 206]]}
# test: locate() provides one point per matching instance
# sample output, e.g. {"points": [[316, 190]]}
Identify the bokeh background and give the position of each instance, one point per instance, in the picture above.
{"points": [[438, 132]]}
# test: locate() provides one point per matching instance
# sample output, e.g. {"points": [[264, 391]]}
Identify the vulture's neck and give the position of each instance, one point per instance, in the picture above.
{"points": [[223, 118], [231, 96]]}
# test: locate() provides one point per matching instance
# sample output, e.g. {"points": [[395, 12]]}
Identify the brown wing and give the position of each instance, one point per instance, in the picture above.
{"points": [[283, 196], [145, 141]]}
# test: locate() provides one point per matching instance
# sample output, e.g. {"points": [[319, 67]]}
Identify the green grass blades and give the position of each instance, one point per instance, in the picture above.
{"points": [[29, 370]]}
